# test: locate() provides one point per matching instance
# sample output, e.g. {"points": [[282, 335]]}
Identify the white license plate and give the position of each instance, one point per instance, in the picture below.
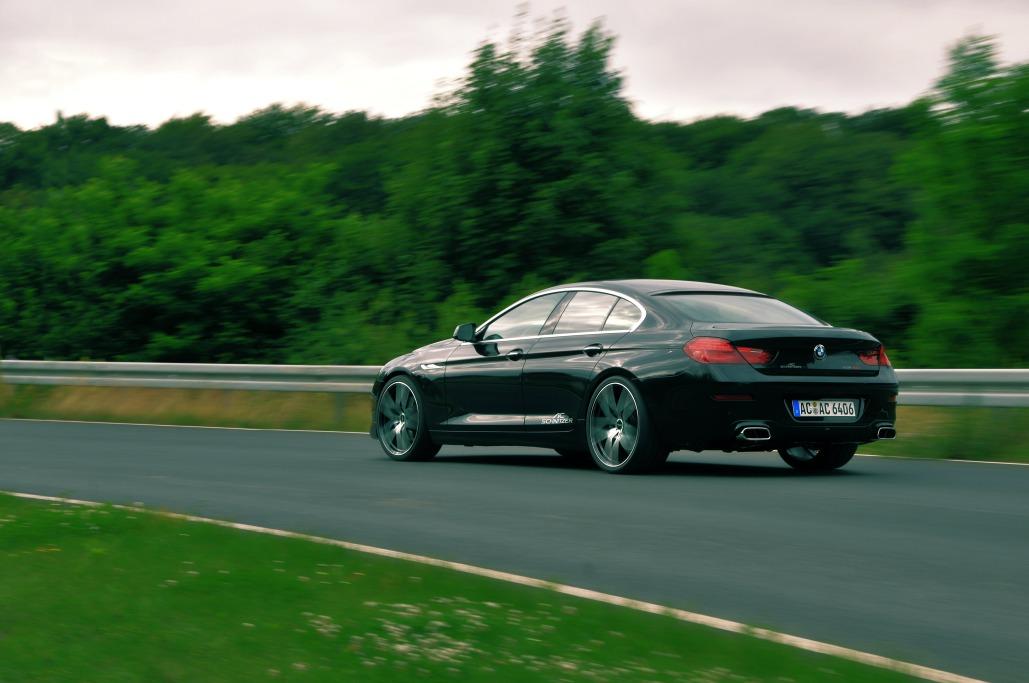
{"points": [[845, 409]]}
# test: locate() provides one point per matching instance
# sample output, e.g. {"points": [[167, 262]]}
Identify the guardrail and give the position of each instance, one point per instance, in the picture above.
{"points": [[330, 378], [993, 388]]}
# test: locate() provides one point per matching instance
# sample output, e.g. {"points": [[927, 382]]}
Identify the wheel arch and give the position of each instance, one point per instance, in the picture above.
{"points": [[396, 372], [611, 371], [380, 386], [657, 424]]}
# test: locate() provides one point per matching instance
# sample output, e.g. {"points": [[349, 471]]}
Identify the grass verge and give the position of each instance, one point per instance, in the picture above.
{"points": [[958, 433], [207, 407], [105, 594], [923, 431]]}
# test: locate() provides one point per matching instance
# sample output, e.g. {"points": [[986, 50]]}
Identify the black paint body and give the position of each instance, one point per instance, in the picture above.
{"points": [[506, 392]]}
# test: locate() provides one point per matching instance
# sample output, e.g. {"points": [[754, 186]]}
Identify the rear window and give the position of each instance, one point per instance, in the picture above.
{"points": [[734, 308], [623, 316]]}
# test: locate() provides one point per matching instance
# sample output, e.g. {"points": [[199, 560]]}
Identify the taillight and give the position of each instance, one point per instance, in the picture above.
{"points": [[755, 356], [716, 351], [877, 357], [712, 350]]}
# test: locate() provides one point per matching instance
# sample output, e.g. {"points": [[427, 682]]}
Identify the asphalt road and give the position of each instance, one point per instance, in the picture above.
{"points": [[923, 561]]}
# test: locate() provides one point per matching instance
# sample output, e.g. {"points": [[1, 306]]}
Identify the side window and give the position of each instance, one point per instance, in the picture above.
{"points": [[586, 312], [524, 320], [623, 316]]}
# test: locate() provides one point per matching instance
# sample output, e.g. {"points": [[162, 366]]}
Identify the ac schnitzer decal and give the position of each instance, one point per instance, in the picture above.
{"points": [[558, 419]]}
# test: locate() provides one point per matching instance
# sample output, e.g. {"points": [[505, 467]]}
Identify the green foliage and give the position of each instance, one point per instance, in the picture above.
{"points": [[967, 248], [295, 235]]}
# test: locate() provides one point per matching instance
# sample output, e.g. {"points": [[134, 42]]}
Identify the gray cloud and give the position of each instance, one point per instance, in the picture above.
{"points": [[138, 61]]}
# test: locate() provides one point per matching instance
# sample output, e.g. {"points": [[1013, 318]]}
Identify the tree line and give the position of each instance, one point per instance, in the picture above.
{"points": [[295, 235]]}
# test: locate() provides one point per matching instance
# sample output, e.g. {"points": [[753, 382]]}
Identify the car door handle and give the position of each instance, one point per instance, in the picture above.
{"points": [[592, 349], [514, 354]]}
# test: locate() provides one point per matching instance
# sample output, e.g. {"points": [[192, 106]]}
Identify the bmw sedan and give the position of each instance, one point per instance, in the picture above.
{"points": [[624, 372]]}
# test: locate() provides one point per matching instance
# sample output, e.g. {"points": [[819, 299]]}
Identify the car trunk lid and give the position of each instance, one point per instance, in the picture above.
{"points": [[800, 350]]}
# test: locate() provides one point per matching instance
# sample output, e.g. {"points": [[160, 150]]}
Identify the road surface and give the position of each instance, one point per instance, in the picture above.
{"points": [[924, 561]]}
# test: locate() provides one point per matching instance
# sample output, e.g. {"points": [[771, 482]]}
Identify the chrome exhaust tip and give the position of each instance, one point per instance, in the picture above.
{"points": [[754, 433], [886, 433]]}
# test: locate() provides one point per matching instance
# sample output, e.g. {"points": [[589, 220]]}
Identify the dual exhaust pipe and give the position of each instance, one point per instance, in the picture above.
{"points": [[754, 433]]}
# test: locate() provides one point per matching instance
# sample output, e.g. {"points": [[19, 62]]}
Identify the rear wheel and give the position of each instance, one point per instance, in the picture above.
{"points": [[818, 459], [618, 430], [400, 422]]}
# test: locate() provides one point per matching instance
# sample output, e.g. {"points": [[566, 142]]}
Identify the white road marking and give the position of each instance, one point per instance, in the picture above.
{"points": [[973, 462], [923, 672]]}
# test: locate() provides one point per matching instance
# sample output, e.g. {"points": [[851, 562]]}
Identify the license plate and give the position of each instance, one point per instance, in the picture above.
{"points": [[825, 408]]}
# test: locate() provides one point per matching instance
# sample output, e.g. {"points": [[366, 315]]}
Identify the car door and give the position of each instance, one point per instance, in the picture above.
{"points": [[484, 378], [559, 367]]}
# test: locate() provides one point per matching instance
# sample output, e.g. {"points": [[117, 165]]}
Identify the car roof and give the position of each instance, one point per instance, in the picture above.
{"points": [[650, 287]]}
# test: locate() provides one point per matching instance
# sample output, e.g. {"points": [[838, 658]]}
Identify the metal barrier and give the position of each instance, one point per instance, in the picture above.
{"points": [[992, 388], [331, 378]]}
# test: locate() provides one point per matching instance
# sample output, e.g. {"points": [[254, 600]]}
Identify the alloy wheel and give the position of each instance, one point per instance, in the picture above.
{"points": [[398, 418], [614, 427]]}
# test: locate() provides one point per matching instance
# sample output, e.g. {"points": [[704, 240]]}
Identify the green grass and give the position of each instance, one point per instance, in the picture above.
{"points": [[206, 407], [923, 431], [110, 595], [958, 433]]}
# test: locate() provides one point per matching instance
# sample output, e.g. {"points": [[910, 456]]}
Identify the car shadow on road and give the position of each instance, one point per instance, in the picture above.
{"points": [[516, 460], [674, 467], [717, 469]]}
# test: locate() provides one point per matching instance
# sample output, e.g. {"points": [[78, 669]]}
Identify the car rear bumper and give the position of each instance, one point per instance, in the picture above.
{"points": [[711, 413], [782, 434]]}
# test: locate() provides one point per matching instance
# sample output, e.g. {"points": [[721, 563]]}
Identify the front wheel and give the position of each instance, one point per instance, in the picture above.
{"points": [[818, 459], [618, 430], [400, 422]]}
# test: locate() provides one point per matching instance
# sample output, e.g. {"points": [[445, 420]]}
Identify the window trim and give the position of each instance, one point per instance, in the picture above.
{"points": [[620, 295]]}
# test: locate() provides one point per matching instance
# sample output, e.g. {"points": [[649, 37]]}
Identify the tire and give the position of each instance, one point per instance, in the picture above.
{"points": [[403, 435], [619, 434], [821, 459]]}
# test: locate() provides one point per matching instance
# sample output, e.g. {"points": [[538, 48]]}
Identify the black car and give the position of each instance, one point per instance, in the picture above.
{"points": [[626, 371]]}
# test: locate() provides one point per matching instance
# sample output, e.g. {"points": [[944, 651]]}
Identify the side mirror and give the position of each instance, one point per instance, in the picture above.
{"points": [[465, 332]]}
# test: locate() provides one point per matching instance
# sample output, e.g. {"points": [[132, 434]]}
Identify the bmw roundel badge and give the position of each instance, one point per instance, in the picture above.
{"points": [[819, 352]]}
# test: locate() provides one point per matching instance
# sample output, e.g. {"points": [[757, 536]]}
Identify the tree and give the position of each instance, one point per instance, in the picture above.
{"points": [[967, 249], [537, 158], [299, 235]]}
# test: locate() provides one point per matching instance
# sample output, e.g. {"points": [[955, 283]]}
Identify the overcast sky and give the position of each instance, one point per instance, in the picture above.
{"points": [[143, 61]]}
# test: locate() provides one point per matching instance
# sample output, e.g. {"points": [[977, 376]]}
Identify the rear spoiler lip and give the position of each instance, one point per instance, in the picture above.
{"points": [[667, 292]]}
